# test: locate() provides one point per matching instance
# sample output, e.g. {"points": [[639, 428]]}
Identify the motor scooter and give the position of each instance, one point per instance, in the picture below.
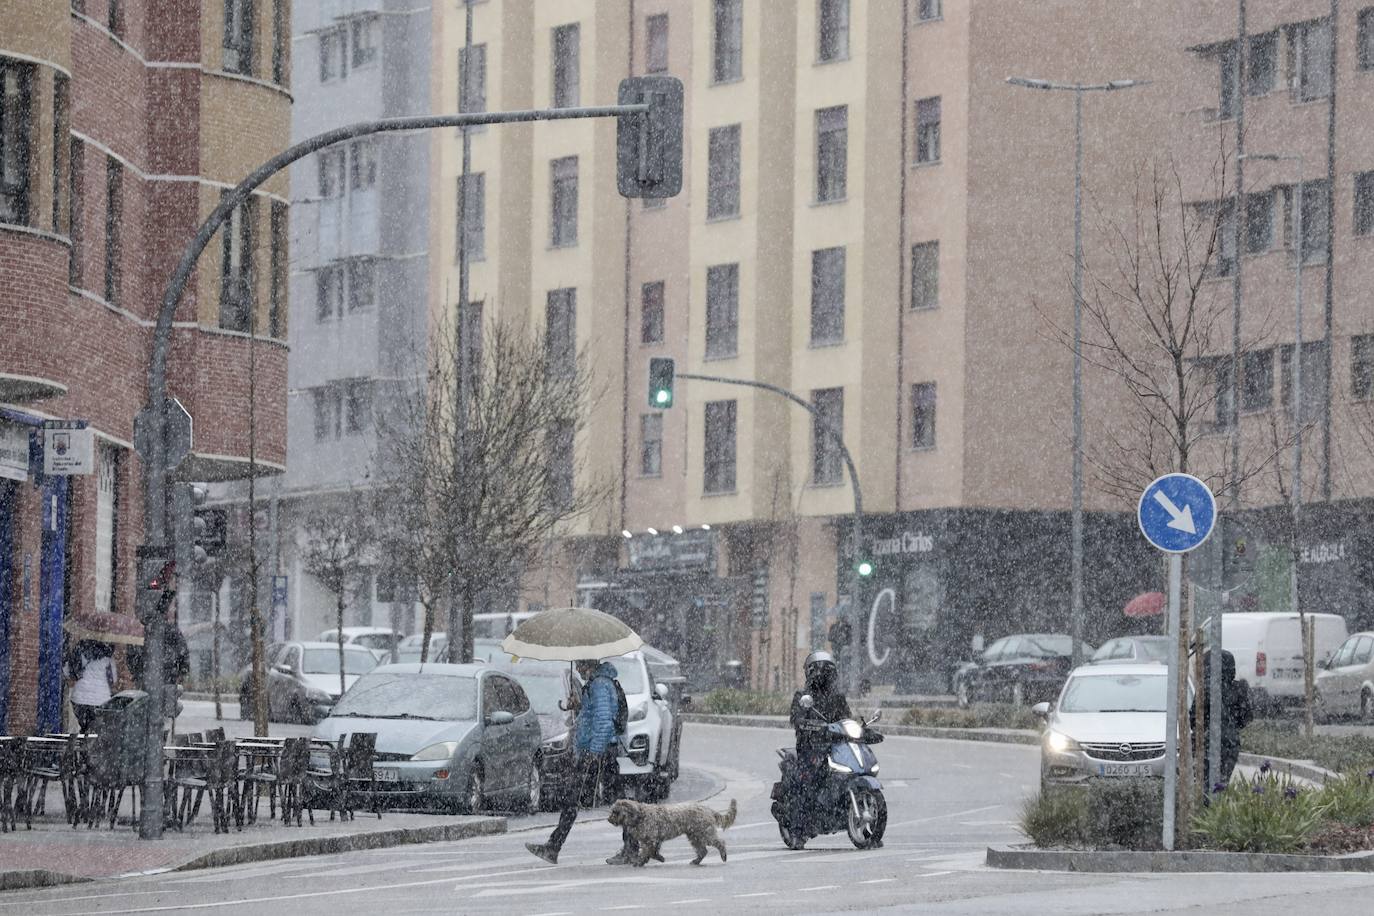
{"points": [[849, 798]]}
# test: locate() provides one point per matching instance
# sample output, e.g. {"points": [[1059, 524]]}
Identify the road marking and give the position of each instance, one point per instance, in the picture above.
{"points": [[1006, 775], [819, 887], [897, 783], [941, 817], [689, 900], [627, 906], [878, 881], [934, 874], [756, 894], [962, 766]]}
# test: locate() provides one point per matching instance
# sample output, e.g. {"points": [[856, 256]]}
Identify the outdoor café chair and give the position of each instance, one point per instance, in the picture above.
{"points": [[359, 774], [11, 778]]}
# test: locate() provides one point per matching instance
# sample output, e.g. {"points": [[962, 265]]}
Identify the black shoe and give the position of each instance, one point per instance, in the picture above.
{"points": [[547, 853]]}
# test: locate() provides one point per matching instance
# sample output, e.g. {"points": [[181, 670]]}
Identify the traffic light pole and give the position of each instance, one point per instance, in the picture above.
{"points": [[156, 495], [855, 576]]}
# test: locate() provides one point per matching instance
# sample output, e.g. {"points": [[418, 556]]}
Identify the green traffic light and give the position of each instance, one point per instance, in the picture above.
{"points": [[662, 396], [865, 568]]}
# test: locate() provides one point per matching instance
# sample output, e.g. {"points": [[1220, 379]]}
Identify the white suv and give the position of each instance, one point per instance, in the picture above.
{"points": [[649, 754]]}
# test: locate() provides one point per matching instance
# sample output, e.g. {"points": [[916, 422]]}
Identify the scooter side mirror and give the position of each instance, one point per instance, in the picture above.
{"points": [[805, 702], [1041, 711], [877, 714]]}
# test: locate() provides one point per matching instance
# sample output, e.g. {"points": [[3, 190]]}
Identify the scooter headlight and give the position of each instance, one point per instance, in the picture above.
{"points": [[838, 767], [852, 730]]}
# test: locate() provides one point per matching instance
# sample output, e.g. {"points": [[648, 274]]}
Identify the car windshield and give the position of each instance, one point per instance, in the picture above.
{"points": [[1156, 650], [1114, 693], [1046, 646], [397, 695], [544, 688], [326, 661], [630, 672]]}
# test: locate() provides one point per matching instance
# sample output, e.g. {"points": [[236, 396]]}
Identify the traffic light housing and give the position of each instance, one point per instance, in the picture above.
{"points": [[648, 144], [155, 572], [661, 371]]}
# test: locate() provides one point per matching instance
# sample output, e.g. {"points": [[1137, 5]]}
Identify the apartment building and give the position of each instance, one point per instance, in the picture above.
{"points": [[122, 125], [874, 219]]}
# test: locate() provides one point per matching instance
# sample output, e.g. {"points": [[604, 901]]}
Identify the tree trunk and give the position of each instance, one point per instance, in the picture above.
{"points": [[339, 607], [469, 605], [428, 632]]}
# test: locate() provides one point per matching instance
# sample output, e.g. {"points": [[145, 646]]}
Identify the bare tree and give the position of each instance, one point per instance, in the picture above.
{"points": [[473, 497], [338, 541]]}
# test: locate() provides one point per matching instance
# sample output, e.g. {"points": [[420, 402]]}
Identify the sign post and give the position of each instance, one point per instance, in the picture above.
{"points": [[1176, 514]]}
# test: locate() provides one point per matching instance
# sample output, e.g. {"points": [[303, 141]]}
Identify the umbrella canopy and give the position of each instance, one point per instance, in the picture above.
{"points": [[105, 627], [571, 633], [1146, 604]]}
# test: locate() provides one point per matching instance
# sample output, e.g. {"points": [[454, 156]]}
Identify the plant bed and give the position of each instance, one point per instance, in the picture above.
{"points": [[724, 701], [1341, 753], [980, 715]]}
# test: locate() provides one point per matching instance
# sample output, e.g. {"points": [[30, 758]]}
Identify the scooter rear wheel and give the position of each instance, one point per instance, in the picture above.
{"points": [[867, 818]]}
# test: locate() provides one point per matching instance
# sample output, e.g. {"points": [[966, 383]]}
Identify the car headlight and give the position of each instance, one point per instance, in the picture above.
{"points": [[852, 730], [1060, 742], [441, 751], [639, 713], [316, 695], [838, 767]]}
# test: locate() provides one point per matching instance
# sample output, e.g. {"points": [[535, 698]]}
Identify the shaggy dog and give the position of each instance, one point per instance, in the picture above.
{"points": [[650, 826]]}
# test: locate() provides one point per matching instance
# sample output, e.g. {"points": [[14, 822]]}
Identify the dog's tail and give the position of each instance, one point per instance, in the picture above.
{"points": [[725, 820]]}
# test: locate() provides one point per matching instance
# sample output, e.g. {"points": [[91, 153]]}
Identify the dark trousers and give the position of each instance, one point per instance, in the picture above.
{"points": [[85, 716], [591, 769]]}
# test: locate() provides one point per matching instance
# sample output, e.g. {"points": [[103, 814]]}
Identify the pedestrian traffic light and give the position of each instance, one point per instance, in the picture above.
{"points": [[155, 572], [661, 372], [649, 144]]}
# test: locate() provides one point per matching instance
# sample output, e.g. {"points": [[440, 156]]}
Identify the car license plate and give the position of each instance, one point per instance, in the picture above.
{"points": [[1287, 674], [1123, 769], [385, 774]]}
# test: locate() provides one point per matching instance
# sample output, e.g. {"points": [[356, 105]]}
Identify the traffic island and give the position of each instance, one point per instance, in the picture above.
{"points": [[1029, 858]]}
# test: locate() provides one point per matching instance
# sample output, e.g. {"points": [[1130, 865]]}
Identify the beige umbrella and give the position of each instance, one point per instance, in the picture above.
{"points": [[571, 633]]}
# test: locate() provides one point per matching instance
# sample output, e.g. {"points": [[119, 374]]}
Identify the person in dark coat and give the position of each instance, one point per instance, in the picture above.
{"points": [[176, 656], [1235, 715]]}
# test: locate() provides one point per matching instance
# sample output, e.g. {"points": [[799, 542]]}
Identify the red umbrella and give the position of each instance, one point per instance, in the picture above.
{"points": [[1146, 604]]}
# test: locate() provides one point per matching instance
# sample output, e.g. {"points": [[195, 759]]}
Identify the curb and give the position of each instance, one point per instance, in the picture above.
{"points": [[1299, 768], [905, 731], [36, 877], [1009, 857]]}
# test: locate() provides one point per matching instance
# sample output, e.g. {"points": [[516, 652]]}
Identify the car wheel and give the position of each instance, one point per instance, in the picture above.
{"points": [[534, 788], [474, 796], [962, 693]]}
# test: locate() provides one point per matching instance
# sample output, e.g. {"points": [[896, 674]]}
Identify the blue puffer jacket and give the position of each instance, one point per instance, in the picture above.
{"points": [[596, 720]]}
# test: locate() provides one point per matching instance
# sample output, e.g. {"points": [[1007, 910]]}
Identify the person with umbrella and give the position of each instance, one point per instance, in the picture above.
{"points": [[581, 635]]}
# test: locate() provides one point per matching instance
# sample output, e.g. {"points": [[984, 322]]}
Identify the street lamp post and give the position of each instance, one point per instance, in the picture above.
{"points": [[1076, 533]]}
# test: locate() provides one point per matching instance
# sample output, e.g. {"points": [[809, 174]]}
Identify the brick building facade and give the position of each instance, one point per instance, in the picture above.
{"points": [[121, 126]]}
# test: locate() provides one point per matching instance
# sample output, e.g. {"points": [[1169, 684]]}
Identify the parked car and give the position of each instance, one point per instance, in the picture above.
{"points": [[652, 750], [379, 639], [1020, 669], [1268, 651], [549, 685], [303, 679], [453, 736], [1345, 683], [1132, 649], [408, 650], [1108, 722]]}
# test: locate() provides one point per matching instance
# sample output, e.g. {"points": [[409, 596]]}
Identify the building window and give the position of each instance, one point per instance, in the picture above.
{"points": [[925, 275], [328, 412], [1262, 63], [362, 284], [832, 28], [567, 66], [471, 341], [718, 466], [1257, 380], [560, 338], [61, 153], [364, 40], [474, 214], [362, 156], [832, 152], [1226, 63], [114, 221], [236, 268], [329, 292], [927, 10], [331, 166], [75, 214], [562, 445], [923, 415], [472, 80], [563, 211], [1259, 222], [928, 130], [1364, 39], [1312, 43], [727, 53], [1315, 369], [827, 296], [333, 54], [656, 44], [1362, 366], [106, 528], [115, 19], [281, 34], [722, 311], [1221, 393], [238, 36], [651, 312], [280, 257], [827, 465], [722, 172], [651, 445], [1316, 206], [358, 404], [1224, 215], [16, 126], [1364, 203]]}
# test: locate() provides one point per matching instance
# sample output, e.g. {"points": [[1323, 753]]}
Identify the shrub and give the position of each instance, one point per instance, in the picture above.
{"points": [[1349, 800], [1268, 813], [1056, 817], [727, 702], [987, 715], [1105, 814]]}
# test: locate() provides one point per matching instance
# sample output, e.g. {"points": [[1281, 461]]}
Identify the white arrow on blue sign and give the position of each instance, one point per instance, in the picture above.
{"points": [[1176, 513]]}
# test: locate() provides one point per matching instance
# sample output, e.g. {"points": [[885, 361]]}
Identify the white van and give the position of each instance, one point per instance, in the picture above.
{"points": [[1268, 651]]}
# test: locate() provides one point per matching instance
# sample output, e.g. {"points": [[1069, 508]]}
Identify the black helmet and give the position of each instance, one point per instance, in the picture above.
{"points": [[820, 669]]}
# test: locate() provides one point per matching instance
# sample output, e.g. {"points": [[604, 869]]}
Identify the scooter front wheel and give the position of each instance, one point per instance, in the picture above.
{"points": [[791, 838], [867, 818]]}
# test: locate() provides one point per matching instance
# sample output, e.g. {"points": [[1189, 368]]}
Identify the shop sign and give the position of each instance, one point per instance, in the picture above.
{"points": [[690, 550], [68, 448], [14, 452], [906, 542], [1323, 553]]}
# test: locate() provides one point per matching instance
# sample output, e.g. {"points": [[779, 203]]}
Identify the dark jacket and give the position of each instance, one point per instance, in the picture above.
{"points": [[1235, 698], [176, 657], [830, 706]]}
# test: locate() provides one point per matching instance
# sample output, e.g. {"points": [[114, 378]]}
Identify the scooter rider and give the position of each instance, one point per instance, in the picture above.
{"points": [[828, 705]]}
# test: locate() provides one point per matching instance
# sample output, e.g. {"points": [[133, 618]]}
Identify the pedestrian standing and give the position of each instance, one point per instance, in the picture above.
{"points": [[594, 743], [91, 668], [1236, 713]]}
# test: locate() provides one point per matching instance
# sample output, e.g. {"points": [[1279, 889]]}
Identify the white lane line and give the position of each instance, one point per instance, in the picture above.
{"points": [[878, 881], [934, 874], [962, 766], [819, 887], [627, 906], [941, 817], [1006, 775], [756, 894], [688, 900]]}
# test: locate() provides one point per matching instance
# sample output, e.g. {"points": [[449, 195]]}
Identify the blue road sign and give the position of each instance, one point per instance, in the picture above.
{"points": [[1176, 513]]}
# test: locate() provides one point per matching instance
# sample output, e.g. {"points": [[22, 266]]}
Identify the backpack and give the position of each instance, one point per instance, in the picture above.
{"points": [[622, 709]]}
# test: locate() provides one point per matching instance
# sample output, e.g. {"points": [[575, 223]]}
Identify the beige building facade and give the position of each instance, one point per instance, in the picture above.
{"points": [[875, 220]]}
